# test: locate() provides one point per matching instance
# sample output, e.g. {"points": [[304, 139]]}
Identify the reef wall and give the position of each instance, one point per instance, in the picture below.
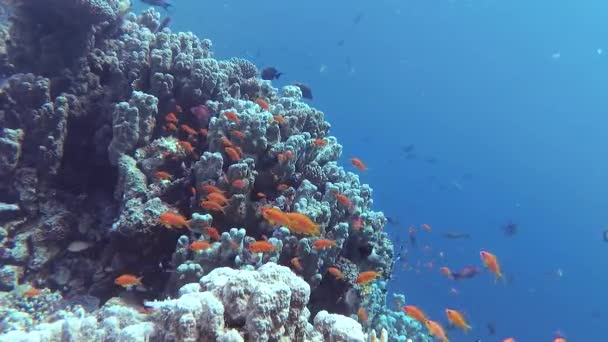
{"points": [[127, 149]]}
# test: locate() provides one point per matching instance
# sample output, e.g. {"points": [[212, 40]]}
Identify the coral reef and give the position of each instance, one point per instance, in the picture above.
{"points": [[128, 149]]}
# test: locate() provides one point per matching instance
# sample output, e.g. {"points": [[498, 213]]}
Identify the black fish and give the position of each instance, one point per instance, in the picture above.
{"points": [[391, 220], [306, 91], [409, 148], [510, 229], [271, 73], [456, 235], [160, 3], [606, 235], [358, 18], [491, 329], [164, 23]]}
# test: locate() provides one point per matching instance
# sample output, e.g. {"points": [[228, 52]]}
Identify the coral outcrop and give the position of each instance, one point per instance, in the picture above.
{"points": [[126, 148]]}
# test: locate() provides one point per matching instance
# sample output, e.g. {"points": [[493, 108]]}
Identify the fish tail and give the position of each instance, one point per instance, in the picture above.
{"points": [[279, 75], [189, 224]]}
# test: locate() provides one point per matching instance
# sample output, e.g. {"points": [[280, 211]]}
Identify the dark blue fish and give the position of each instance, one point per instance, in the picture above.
{"points": [[160, 3], [271, 73]]}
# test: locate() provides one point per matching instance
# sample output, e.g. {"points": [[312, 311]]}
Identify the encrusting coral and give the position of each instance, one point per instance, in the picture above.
{"points": [[127, 149]]}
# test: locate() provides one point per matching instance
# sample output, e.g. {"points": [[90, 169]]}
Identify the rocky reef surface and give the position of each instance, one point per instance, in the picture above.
{"points": [[152, 192]]}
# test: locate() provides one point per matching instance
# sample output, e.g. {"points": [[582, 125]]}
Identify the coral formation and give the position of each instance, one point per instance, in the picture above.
{"points": [[129, 149]]}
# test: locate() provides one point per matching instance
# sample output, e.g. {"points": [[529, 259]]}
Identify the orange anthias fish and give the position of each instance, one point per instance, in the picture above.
{"points": [[446, 272], [426, 227], [232, 153], [559, 337], [261, 247], [302, 224], [208, 188], [128, 280], [509, 339], [262, 103], [213, 233], [171, 118], [172, 220], [491, 262], [358, 164], [457, 319], [232, 117], [323, 244], [188, 130], [240, 183], [295, 262], [343, 200], [280, 119], [32, 292], [218, 198], [319, 142], [199, 246], [275, 216], [436, 330], [366, 277], [162, 175], [336, 272], [362, 315], [415, 313], [212, 206]]}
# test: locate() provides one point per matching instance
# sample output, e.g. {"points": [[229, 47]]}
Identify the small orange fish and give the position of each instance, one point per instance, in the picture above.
{"points": [[366, 277], [170, 127], [261, 247], [232, 116], [203, 132], [362, 315], [226, 142], [343, 200], [282, 187], [457, 319], [172, 220], [446, 272], [213, 233], [212, 206], [186, 146], [232, 153], [275, 216], [415, 313], [295, 262], [187, 129], [237, 134], [559, 337], [261, 195], [335, 272], [162, 175], [509, 339], [279, 118], [491, 262], [436, 330], [32, 292], [426, 227], [319, 142], [323, 244], [218, 198], [358, 164], [208, 188], [240, 183], [262, 103], [197, 246], [171, 118], [128, 280], [302, 224]]}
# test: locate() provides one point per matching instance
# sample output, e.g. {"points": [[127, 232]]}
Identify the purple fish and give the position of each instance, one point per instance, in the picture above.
{"points": [[467, 272]]}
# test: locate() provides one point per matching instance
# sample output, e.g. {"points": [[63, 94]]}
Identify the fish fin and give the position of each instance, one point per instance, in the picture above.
{"points": [[189, 224], [279, 75]]}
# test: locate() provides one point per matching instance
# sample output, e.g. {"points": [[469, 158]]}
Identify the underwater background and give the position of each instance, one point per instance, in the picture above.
{"points": [[510, 93], [482, 124]]}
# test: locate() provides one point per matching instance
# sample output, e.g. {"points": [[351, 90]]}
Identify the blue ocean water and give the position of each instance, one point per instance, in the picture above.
{"points": [[508, 98]]}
